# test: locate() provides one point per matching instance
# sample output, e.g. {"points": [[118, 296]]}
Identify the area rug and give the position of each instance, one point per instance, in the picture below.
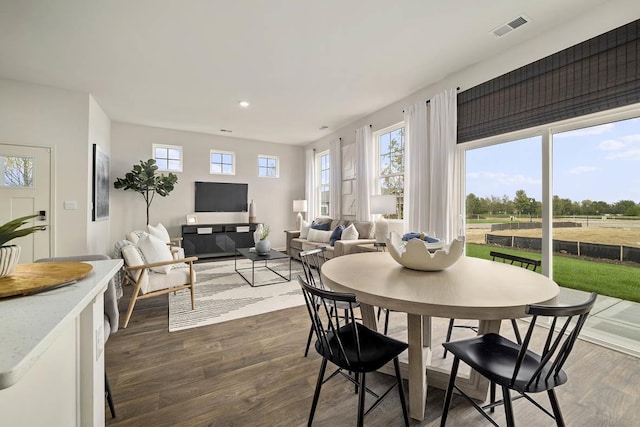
{"points": [[222, 295]]}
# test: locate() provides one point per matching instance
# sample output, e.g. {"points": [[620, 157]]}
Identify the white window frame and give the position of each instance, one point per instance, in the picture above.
{"points": [[222, 153], [546, 133], [168, 147], [377, 175], [319, 184], [277, 167]]}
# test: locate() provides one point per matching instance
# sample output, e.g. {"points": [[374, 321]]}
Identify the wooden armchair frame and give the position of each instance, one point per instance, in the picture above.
{"points": [[145, 271]]}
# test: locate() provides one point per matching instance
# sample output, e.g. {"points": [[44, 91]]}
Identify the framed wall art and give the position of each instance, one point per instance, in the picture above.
{"points": [[100, 184]]}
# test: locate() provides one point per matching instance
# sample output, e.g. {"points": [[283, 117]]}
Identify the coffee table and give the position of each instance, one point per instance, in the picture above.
{"points": [[255, 257]]}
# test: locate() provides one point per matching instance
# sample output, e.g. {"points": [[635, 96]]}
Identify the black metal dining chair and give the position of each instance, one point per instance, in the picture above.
{"points": [[352, 347], [523, 262], [518, 367], [312, 261]]}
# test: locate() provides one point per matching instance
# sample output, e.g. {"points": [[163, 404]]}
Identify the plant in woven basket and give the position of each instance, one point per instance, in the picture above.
{"points": [[10, 254]]}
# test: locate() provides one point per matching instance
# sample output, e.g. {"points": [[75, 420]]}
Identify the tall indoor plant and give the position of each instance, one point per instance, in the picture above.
{"points": [[144, 180], [10, 254]]}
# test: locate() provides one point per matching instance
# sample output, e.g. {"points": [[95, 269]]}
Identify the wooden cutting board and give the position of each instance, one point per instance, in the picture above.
{"points": [[29, 279]]}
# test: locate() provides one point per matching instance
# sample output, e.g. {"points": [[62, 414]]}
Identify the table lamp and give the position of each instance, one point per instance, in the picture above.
{"points": [[299, 206], [382, 204]]}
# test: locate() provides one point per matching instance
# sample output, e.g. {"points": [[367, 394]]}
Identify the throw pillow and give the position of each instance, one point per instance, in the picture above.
{"points": [[132, 257], [364, 228], [350, 233], [319, 236], [160, 232], [304, 229], [336, 235], [155, 250], [324, 226]]}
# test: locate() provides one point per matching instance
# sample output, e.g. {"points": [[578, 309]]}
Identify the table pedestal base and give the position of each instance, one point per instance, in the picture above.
{"points": [[419, 372]]}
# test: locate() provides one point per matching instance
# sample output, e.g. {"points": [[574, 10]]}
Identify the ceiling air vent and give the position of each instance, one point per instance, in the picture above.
{"points": [[511, 25]]}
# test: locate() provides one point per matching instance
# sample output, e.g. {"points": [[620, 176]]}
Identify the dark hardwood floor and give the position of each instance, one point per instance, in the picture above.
{"points": [[251, 372]]}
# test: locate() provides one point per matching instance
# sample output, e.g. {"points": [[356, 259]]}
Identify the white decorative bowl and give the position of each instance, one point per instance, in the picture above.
{"points": [[418, 255]]}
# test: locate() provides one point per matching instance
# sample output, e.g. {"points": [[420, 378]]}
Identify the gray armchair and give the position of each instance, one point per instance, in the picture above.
{"points": [[111, 313]]}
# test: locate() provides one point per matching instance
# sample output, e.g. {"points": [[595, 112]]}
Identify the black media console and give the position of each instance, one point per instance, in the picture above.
{"points": [[216, 240]]}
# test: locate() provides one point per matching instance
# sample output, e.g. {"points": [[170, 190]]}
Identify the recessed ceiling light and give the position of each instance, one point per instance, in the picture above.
{"points": [[244, 104]]}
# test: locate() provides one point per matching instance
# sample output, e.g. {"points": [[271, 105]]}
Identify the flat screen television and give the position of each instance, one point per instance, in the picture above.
{"points": [[221, 197]]}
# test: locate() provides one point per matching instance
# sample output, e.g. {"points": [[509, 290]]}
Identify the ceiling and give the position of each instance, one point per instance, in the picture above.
{"points": [[302, 64]]}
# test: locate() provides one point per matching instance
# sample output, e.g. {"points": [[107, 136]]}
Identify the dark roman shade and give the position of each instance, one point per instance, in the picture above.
{"points": [[596, 75]]}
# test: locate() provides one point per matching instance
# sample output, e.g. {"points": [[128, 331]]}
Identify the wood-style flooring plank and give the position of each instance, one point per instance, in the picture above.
{"points": [[251, 372]]}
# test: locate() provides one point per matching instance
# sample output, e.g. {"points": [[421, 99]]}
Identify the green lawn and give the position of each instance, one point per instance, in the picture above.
{"points": [[617, 281]]}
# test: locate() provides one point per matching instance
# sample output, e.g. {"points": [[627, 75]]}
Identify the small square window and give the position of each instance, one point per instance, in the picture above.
{"points": [[16, 171], [168, 157], [268, 166], [222, 162]]}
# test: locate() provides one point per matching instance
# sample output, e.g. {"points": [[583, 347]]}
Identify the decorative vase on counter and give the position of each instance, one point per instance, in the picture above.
{"points": [[263, 247], [9, 256]]}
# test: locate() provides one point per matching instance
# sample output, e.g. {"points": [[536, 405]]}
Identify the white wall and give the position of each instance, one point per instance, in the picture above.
{"points": [[98, 241], [272, 196], [49, 117]]}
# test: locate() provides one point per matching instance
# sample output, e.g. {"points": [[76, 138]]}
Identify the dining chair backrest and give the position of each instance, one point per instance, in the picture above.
{"points": [[565, 326], [312, 261], [516, 260], [322, 305]]}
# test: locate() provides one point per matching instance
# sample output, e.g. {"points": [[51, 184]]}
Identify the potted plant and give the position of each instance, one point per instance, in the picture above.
{"points": [[263, 246], [10, 254], [144, 180]]}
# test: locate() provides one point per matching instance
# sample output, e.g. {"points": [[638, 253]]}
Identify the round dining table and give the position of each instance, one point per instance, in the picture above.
{"points": [[472, 288]]}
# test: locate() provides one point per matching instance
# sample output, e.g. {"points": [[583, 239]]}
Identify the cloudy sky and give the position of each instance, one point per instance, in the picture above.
{"points": [[600, 163]]}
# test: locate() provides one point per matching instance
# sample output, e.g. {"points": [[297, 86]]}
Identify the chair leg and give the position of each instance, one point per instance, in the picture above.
{"points": [[396, 365], [107, 391], [193, 297], [516, 331], [363, 392], [449, 395], [556, 408], [492, 394], [132, 304], [386, 322], [449, 331], [306, 351], [323, 367], [508, 407]]}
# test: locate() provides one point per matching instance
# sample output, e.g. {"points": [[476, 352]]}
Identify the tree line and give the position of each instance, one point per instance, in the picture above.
{"points": [[522, 204]]}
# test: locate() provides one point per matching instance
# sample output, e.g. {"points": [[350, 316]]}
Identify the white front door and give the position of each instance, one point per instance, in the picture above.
{"points": [[25, 189]]}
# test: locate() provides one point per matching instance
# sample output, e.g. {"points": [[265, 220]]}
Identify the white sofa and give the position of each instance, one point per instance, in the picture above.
{"points": [[366, 234]]}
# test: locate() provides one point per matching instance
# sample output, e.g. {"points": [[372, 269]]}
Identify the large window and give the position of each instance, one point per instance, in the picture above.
{"points": [[390, 169], [168, 157], [222, 162], [567, 194], [323, 181]]}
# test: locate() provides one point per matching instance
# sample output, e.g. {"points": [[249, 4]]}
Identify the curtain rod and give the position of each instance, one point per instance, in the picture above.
{"points": [[428, 100]]}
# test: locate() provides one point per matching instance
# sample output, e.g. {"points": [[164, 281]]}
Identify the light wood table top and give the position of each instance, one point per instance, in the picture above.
{"points": [[29, 279], [470, 289]]}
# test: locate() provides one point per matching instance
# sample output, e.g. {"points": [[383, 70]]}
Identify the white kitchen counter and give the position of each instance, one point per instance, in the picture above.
{"points": [[32, 327]]}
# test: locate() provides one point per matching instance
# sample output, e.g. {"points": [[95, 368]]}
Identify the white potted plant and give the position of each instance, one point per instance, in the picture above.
{"points": [[10, 254], [263, 246]]}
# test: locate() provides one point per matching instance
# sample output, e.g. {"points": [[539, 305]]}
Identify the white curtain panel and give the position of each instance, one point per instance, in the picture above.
{"points": [[444, 198], [416, 184], [335, 178], [364, 163], [310, 184]]}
